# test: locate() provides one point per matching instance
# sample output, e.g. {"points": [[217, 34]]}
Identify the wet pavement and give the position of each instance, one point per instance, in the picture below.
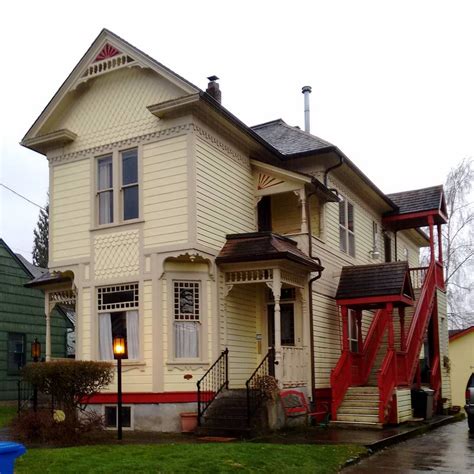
{"points": [[449, 448]]}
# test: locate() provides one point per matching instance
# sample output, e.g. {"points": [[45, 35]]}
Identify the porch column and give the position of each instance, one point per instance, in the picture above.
{"points": [[359, 330], [47, 312], [276, 289], [301, 193], [345, 329], [401, 314], [440, 244], [432, 251], [391, 336]]}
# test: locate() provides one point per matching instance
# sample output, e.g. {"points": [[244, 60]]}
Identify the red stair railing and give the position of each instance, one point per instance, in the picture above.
{"points": [[341, 378], [408, 359], [435, 380], [387, 381]]}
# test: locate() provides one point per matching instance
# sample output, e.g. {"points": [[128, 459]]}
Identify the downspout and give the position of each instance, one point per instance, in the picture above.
{"points": [[310, 293], [331, 168]]}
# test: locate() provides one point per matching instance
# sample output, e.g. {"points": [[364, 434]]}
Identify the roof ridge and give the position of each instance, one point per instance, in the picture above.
{"points": [[266, 124], [437, 186]]}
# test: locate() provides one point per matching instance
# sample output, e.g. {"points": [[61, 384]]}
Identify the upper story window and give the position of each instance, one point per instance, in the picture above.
{"points": [[16, 356], [105, 190], [129, 189], [346, 227], [117, 189]]}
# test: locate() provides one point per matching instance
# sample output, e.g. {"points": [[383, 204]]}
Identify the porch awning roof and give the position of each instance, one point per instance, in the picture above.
{"points": [[255, 246], [373, 286], [414, 208]]}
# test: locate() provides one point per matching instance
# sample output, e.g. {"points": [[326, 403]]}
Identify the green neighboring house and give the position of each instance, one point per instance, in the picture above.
{"points": [[22, 319]]}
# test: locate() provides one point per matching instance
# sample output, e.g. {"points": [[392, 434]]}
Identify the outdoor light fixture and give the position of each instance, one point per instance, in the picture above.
{"points": [[35, 350], [119, 353]]}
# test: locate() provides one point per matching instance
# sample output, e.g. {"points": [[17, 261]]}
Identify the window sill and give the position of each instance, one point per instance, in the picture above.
{"points": [[187, 364], [128, 363], [116, 224]]}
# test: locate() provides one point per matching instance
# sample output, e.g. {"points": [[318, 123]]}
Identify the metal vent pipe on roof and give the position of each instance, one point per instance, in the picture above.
{"points": [[306, 90]]}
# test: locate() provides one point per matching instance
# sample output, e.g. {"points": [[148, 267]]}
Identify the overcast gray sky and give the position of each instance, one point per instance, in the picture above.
{"points": [[393, 81]]}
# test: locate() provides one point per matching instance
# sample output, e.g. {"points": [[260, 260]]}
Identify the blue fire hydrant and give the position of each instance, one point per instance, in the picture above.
{"points": [[8, 453]]}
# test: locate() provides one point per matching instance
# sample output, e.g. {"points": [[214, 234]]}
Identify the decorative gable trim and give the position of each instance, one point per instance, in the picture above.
{"points": [[99, 59], [53, 139]]}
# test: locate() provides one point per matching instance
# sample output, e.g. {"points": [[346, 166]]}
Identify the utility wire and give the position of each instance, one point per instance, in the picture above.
{"points": [[22, 197]]}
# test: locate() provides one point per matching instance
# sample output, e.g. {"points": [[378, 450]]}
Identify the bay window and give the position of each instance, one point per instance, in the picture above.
{"points": [[187, 312], [118, 316]]}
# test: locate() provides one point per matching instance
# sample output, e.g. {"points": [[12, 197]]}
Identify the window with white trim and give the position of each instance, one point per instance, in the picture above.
{"points": [[187, 318], [117, 186], [346, 227], [353, 331], [117, 307]]}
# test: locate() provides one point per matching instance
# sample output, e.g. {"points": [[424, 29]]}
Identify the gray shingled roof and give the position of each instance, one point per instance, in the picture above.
{"points": [[418, 200], [381, 279], [33, 269], [289, 140]]}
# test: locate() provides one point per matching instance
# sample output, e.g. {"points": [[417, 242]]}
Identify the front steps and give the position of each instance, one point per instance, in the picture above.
{"points": [[359, 408], [227, 416]]}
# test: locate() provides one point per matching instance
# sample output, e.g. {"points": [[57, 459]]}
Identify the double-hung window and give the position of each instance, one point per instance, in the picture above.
{"points": [[129, 160], [16, 356], [353, 331], [187, 316], [346, 227], [117, 189], [118, 316], [105, 190]]}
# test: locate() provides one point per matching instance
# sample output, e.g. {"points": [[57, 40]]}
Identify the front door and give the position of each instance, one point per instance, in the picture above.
{"points": [[287, 313]]}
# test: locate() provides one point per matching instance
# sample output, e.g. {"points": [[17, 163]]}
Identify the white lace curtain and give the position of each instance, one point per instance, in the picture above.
{"points": [[186, 335], [105, 198], [106, 336]]}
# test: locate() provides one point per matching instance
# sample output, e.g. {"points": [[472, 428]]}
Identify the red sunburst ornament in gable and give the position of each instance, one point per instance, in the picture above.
{"points": [[108, 51]]}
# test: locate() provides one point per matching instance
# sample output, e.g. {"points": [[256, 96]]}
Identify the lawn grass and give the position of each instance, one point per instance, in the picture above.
{"points": [[189, 458], [7, 413]]}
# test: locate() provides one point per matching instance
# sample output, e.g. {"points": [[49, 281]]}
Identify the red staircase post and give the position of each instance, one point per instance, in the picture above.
{"points": [[432, 251], [391, 337], [401, 314], [359, 330], [440, 245]]}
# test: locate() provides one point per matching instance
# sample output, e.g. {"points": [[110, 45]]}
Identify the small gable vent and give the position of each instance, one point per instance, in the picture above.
{"points": [[107, 52]]}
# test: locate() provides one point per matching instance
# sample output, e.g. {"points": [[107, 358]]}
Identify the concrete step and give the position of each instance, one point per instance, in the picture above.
{"points": [[356, 424], [361, 410], [360, 402], [358, 418]]}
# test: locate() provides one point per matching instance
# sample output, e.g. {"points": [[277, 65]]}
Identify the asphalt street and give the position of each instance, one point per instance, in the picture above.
{"points": [[446, 449]]}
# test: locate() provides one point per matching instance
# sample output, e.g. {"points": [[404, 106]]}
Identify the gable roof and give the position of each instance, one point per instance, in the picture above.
{"points": [[418, 200], [20, 260], [458, 333], [100, 50], [290, 140], [33, 269], [257, 246], [374, 281]]}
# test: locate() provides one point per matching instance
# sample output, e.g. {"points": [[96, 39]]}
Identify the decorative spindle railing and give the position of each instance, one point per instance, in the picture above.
{"points": [[418, 275], [212, 383], [257, 387]]}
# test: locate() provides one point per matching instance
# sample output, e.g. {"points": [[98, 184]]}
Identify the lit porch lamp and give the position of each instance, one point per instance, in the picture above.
{"points": [[119, 353], [35, 355], [35, 350]]}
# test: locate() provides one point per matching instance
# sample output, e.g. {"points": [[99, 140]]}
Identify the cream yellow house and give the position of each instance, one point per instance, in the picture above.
{"points": [[218, 249], [461, 356]]}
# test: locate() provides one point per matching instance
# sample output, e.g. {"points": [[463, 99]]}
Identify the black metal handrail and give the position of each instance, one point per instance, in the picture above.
{"points": [[256, 385], [27, 395], [212, 383]]}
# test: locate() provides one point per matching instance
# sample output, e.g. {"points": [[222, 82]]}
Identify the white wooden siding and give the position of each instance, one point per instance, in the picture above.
{"points": [[165, 192], [404, 412], [70, 211], [225, 201], [241, 315], [444, 346]]}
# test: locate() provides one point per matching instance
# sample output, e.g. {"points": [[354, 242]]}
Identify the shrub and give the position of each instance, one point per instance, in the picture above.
{"points": [[70, 383], [42, 427]]}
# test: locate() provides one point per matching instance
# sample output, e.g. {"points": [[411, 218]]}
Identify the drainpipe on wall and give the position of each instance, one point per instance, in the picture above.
{"points": [[331, 168], [310, 291]]}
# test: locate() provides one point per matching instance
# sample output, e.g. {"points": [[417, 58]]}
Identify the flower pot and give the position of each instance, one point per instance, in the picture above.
{"points": [[188, 422]]}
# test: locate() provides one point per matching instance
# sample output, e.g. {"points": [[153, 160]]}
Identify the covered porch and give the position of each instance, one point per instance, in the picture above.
{"points": [[264, 306]]}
